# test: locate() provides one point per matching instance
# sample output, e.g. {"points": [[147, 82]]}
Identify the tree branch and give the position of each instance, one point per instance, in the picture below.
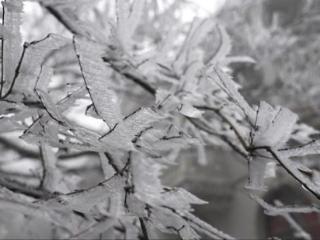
{"points": [[294, 172], [144, 229]]}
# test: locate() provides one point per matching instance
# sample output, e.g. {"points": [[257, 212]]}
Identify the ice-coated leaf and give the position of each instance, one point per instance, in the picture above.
{"points": [[190, 111], [135, 15], [200, 32], [205, 228], [8, 125], [128, 19], [166, 100], [225, 82], [196, 35], [19, 203], [184, 224], [84, 200], [303, 133], [41, 89], [273, 128], [190, 79], [5, 33], [274, 125], [179, 198], [94, 72], [95, 229], [59, 2], [239, 59], [310, 148], [202, 155], [131, 126], [224, 48], [257, 174], [10, 116], [156, 142], [35, 54], [146, 177], [166, 221], [12, 45], [106, 167], [66, 12], [123, 12], [52, 176], [316, 177], [132, 231]]}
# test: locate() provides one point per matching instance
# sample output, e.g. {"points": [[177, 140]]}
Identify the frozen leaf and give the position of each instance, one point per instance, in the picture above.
{"points": [[198, 31], [225, 82], [94, 72], [190, 79], [41, 89], [178, 198], [21, 204], [316, 177], [128, 19], [224, 49], [274, 126], [132, 231], [205, 228], [146, 176], [310, 148], [239, 59], [95, 229], [123, 13], [12, 45], [202, 155], [167, 219], [303, 132], [52, 176], [190, 111], [271, 168], [127, 129], [65, 11], [35, 55], [168, 222], [166, 100], [135, 16], [108, 171], [257, 174], [8, 125], [85, 200], [5, 34]]}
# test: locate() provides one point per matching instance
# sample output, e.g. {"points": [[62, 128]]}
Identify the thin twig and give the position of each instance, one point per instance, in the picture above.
{"points": [[144, 229], [18, 187], [295, 173], [278, 210], [222, 137], [224, 118]]}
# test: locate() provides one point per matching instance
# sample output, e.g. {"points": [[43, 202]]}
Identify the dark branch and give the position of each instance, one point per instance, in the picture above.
{"points": [[144, 229], [291, 171]]}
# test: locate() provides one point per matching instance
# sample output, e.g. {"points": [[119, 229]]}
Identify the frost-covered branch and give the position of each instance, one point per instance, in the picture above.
{"points": [[294, 171]]}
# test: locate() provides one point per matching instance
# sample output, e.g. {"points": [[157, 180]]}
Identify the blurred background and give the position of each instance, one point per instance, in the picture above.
{"points": [[281, 36]]}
